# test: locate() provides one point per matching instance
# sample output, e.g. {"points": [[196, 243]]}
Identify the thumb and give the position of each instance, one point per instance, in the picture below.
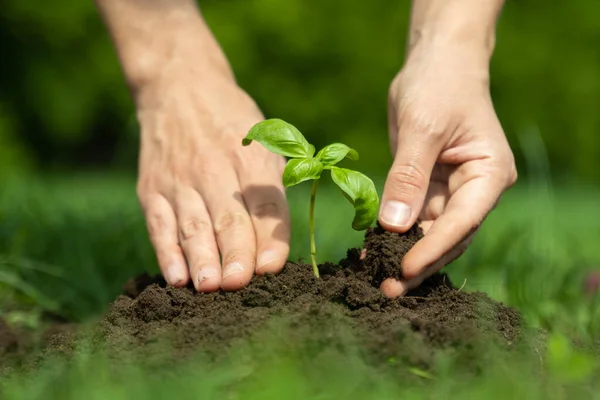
{"points": [[408, 180]]}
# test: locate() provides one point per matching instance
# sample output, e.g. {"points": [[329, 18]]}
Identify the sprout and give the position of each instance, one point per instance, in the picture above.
{"points": [[283, 138]]}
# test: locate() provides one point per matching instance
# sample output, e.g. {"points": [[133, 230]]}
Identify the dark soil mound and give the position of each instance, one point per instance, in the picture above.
{"points": [[411, 328]]}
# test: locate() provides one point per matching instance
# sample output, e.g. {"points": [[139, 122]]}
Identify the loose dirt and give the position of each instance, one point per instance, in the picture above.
{"points": [[437, 316]]}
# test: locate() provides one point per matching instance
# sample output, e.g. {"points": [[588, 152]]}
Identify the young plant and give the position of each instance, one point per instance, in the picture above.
{"points": [[283, 138]]}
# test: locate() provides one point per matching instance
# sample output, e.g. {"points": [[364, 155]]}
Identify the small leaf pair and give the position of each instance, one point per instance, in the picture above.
{"points": [[283, 138]]}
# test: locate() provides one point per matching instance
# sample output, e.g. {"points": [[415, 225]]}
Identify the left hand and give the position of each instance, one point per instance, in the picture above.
{"points": [[452, 161]]}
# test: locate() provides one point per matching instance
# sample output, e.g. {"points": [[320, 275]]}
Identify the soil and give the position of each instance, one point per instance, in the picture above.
{"points": [[436, 316], [387, 249]]}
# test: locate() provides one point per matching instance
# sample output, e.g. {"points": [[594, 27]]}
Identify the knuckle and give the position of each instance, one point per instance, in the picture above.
{"points": [[393, 89], [229, 222], [208, 173], [156, 223], [192, 227], [513, 176], [509, 168], [423, 122], [266, 209], [147, 191], [141, 190], [407, 179]]}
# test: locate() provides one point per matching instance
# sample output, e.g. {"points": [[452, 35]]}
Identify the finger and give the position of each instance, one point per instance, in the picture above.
{"points": [[435, 201], [394, 288], [162, 229], [198, 240], [392, 123], [464, 213], [232, 226], [408, 179], [266, 202]]}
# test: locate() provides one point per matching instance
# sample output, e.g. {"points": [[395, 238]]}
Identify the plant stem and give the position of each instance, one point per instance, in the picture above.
{"points": [[313, 247]]}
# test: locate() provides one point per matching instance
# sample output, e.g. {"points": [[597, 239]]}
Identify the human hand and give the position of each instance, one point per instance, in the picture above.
{"points": [[216, 211], [205, 196], [452, 160]]}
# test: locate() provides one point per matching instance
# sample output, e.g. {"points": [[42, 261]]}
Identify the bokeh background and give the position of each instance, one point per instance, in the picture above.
{"points": [[324, 66], [71, 231]]}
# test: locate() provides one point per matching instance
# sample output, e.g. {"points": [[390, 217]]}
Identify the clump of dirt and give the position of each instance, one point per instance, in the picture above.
{"points": [[386, 251], [413, 328]]}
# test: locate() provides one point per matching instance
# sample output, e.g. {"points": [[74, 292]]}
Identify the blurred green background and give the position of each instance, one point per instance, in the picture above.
{"points": [[68, 242], [324, 66]]}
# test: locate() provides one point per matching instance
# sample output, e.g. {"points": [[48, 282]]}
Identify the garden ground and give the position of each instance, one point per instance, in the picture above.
{"points": [[68, 246]]}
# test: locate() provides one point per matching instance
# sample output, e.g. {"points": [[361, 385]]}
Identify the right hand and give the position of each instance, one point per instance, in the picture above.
{"points": [[204, 195], [452, 161]]}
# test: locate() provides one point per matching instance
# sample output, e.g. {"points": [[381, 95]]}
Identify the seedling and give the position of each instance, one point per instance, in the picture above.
{"points": [[283, 138]]}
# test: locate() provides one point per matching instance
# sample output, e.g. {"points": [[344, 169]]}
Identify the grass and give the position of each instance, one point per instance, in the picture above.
{"points": [[67, 245]]}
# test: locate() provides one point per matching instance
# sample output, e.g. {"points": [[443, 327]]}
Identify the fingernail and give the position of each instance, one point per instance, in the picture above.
{"points": [[173, 274], [232, 268], [206, 273], [265, 258], [395, 213]]}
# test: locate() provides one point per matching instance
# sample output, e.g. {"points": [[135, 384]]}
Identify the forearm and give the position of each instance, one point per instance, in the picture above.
{"points": [[461, 25], [154, 37]]}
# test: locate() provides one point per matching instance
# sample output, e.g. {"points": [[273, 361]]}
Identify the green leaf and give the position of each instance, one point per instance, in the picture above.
{"points": [[300, 170], [361, 193], [336, 152], [280, 137]]}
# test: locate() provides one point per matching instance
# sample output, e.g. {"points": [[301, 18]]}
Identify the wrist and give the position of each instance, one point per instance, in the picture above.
{"points": [[465, 28], [160, 48], [460, 59]]}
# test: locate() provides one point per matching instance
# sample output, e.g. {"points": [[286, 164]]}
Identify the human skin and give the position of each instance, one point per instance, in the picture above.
{"points": [[216, 211], [452, 161], [204, 196]]}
